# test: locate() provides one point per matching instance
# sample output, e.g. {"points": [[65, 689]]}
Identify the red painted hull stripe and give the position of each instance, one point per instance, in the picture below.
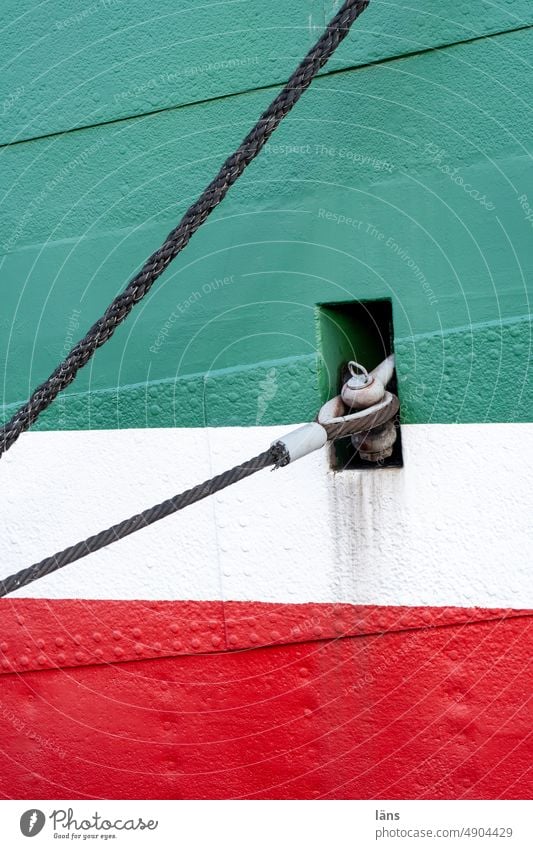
{"points": [[433, 713], [38, 634]]}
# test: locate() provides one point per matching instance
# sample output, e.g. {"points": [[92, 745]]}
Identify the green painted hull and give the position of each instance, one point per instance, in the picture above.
{"points": [[398, 176]]}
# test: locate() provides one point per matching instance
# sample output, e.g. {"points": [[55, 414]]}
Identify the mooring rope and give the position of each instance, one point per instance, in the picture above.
{"points": [[178, 238], [292, 446], [273, 457]]}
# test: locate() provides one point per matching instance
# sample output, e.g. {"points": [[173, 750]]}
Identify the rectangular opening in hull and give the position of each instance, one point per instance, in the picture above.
{"points": [[362, 331]]}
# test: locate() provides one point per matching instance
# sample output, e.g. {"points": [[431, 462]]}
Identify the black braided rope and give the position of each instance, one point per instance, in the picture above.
{"points": [[275, 456], [178, 238]]}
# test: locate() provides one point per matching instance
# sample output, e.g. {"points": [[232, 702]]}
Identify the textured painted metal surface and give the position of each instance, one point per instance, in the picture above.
{"points": [[294, 653], [40, 633], [287, 391], [431, 713], [414, 194], [45, 633], [72, 64], [428, 534], [268, 393]]}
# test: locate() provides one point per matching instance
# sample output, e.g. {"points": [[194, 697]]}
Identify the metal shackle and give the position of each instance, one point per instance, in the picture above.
{"points": [[364, 389]]}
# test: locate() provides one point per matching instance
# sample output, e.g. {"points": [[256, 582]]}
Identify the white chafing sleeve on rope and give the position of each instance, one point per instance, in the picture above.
{"points": [[304, 440]]}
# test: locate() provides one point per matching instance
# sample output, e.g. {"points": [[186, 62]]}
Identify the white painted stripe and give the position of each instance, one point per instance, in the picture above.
{"points": [[451, 528]]}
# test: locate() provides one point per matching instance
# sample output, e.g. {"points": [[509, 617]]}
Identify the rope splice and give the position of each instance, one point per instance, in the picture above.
{"points": [[294, 445]]}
